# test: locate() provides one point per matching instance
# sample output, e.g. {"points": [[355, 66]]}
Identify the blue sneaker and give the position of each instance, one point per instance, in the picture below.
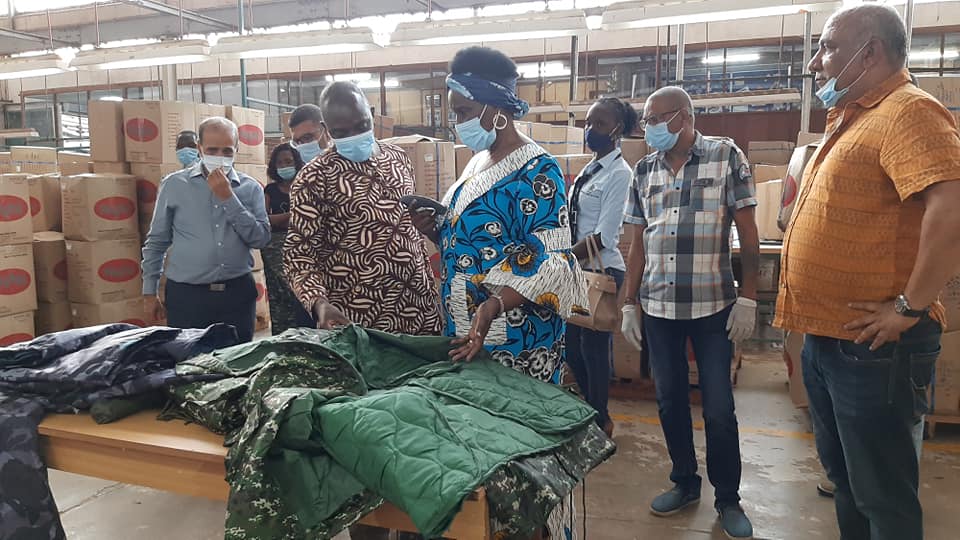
{"points": [[673, 501], [734, 522]]}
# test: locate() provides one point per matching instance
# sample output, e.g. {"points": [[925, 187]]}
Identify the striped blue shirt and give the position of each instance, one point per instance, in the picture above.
{"points": [[209, 240]]}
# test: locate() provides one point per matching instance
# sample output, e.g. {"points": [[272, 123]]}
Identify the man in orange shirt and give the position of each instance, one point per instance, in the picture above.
{"points": [[875, 237]]}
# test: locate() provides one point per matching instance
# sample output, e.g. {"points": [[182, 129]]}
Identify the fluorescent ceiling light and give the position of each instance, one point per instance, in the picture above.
{"points": [[153, 54], [731, 58], [934, 55], [296, 44], [536, 70], [355, 77], [32, 66], [482, 29], [699, 12], [546, 109], [374, 84], [111, 98]]}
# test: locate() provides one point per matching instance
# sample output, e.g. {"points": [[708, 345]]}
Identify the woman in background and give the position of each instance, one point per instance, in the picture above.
{"points": [[285, 310], [598, 198]]}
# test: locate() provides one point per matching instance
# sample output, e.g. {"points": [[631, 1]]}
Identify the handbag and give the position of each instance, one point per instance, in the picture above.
{"points": [[601, 295]]}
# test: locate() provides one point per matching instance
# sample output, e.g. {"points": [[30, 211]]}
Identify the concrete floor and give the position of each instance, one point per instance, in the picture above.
{"points": [[779, 479]]}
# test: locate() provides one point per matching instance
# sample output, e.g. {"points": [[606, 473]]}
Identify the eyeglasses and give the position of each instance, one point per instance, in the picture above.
{"points": [[655, 119]]}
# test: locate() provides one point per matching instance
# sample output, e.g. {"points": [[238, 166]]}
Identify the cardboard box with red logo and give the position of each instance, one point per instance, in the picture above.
{"points": [[103, 271], [151, 128], [790, 189], [128, 311], [52, 317], [34, 159], [45, 206], [111, 167], [50, 262], [257, 172], [18, 288], [106, 131], [149, 176], [99, 207], [250, 130], [16, 222], [16, 328], [768, 209], [263, 301]]}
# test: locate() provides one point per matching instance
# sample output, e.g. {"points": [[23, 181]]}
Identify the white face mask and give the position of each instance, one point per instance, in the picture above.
{"points": [[218, 162]]}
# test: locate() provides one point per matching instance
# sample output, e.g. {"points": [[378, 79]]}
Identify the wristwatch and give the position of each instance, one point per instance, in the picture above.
{"points": [[902, 306]]}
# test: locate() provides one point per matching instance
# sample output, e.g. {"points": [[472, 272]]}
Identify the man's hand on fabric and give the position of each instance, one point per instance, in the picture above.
{"points": [[882, 324], [153, 308], [328, 316], [631, 327], [219, 184], [742, 320], [466, 348]]}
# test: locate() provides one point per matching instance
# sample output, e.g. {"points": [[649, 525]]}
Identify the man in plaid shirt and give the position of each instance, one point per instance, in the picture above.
{"points": [[683, 201]]}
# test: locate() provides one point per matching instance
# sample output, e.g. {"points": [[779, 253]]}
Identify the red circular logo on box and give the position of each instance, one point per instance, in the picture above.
{"points": [[260, 290], [119, 270], [136, 322], [60, 270], [115, 208], [789, 191], [250, 134], [14, 281], [6, 341], [34, 206], [146, 191], [141, 130], [12, 208]]}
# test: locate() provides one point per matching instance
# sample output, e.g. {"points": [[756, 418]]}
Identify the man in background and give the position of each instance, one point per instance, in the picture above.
{"points": [[309, 133], [209, 217], [685, 197], [874, 237], [187, 148]]}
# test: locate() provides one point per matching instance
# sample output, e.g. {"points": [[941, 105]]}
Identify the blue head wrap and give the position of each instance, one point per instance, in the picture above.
{"points": [[500, 94]]}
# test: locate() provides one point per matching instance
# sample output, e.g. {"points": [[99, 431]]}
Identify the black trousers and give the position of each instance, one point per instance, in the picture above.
{"points": [[232, 302]]}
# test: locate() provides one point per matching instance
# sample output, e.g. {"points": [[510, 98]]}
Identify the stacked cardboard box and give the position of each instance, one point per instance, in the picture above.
{"points": [[34, 159], [18, 292], [250, 132], [946, 90], [257, 172], [45, 207], [50, 262], [768, 210], [946, 384], [6, 163], [572, 165], [557, 140], [148, 177], [634, 150], [71, 163], [462, 155], [770, 152], [790, 189], [434, 163]]}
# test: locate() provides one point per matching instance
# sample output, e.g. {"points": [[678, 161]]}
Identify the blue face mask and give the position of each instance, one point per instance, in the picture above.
{"points": [[474, 136], [188, 156], [308, 151], [357, 148], [598, 142], [287, 173], [659, 136], [829, 94]]}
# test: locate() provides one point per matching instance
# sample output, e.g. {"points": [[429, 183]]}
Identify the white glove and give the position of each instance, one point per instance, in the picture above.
{"points": [[630, 327], [743, 319]]}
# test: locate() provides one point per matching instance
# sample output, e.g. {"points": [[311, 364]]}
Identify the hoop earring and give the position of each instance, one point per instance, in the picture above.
{"points": [[500, 116]]}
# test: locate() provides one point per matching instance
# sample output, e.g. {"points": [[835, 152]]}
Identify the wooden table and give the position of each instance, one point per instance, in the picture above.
{"points": [[188, 459]]}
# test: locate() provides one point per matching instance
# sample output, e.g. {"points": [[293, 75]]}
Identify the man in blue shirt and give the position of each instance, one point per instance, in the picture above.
{"points": [[208, 216]]}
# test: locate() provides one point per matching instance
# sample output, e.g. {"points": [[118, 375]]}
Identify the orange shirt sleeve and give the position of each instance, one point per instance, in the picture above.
{"points": [[922, 148]]}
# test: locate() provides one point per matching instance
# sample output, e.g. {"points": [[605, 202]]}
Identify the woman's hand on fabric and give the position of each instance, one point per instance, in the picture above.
{"points": [[426, 224], [466, 348]]}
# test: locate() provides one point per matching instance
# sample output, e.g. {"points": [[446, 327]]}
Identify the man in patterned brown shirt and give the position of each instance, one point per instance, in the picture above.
{"points": [[352, 253]]}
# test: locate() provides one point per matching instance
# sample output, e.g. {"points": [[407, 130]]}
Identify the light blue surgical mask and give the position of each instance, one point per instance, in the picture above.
{"points": [[309, 150], [358, 148], [474, 136], [659, 136], [829, 94], [287, 173], [188, 156], [218, 162]]}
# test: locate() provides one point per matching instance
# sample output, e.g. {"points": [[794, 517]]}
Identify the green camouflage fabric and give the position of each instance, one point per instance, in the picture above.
{"points": [[309, 415], [285, 310]]}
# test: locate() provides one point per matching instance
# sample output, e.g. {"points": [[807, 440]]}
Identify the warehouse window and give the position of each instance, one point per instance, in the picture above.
{"points": [[416, 101]]}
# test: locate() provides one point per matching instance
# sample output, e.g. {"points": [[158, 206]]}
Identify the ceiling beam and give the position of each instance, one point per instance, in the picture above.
{"points": [[29, 36], [159, 7]]}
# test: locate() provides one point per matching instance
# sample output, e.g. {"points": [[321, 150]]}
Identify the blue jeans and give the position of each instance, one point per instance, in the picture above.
{"points": [[865, 408], [589, 355], [667, 340]]}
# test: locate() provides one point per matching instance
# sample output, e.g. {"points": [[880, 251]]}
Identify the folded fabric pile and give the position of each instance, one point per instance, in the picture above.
{"points": [[322, 425], [71, 371]]}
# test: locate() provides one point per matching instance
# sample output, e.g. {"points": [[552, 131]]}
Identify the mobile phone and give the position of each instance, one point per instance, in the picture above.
{"points": [[423, 205]]}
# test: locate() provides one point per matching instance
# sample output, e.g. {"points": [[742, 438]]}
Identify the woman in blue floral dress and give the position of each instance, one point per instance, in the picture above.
{"points": [[509, 277]]}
